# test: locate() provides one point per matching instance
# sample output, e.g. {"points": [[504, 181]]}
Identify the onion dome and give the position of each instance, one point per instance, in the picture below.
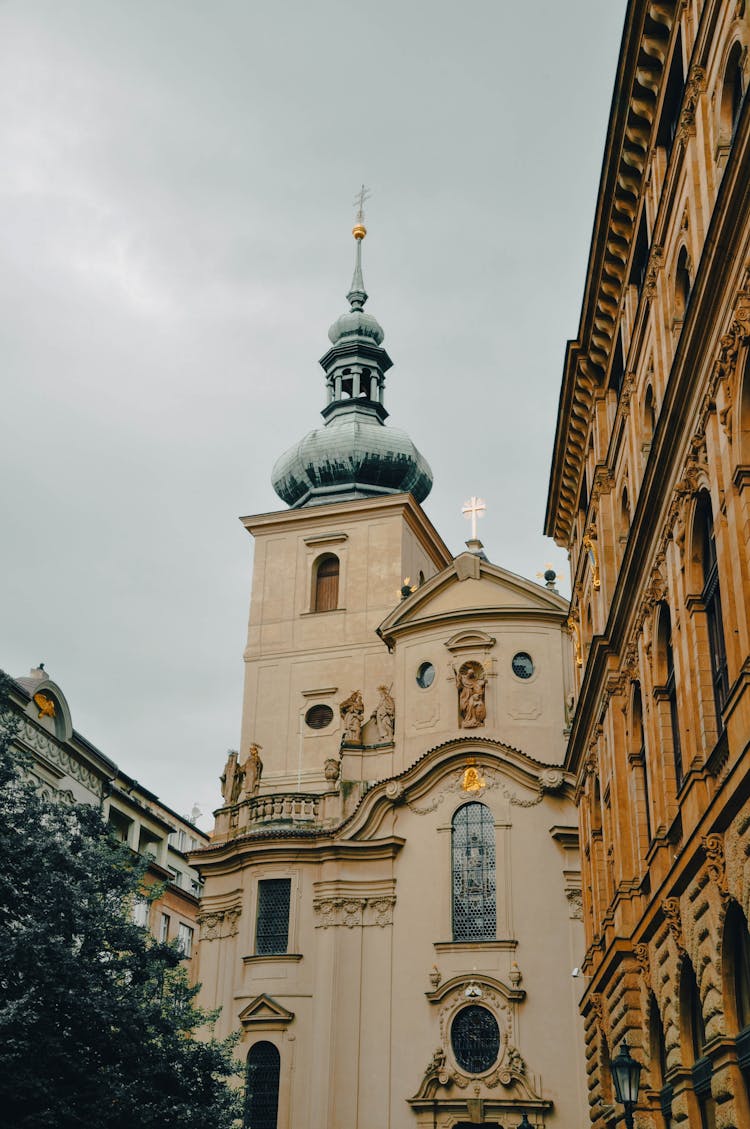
{"points": [[354, 455]]}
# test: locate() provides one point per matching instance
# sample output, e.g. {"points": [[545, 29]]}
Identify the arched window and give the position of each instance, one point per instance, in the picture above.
{"points": [[694, 1042], [326, 583], [649, 415], [665, 672], [681, 284], [262, 1087], [473, 874], [705, 550], [638, 751], [736, 969], [672, 104], [731, 94], [624, 514]]}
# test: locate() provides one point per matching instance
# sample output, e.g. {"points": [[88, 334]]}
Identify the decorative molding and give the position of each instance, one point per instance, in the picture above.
{"points": [[549, 780], [470, 641], [653, 270], [217, 924], [575, 904], [353, 912], [38, 742], [640, 952], [264, 1012], [713, 845], [670, 907]]}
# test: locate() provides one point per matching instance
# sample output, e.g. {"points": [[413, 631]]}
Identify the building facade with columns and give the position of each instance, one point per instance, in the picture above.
{"points": [[392, 899], [650, 493]]}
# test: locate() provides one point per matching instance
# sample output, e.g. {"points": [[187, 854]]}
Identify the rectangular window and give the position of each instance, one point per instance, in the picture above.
{"points": [[185, 939], [272, 926], [164, 932], [140, 912], [174, 876]]}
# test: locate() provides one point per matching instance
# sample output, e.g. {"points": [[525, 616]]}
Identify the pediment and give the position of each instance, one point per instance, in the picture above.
{"points": [[264, 1011], [471, 587], [470, 641]]}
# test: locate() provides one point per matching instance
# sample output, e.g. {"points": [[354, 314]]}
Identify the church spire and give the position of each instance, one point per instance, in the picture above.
{"points": [[354, 455], [357, 295]]}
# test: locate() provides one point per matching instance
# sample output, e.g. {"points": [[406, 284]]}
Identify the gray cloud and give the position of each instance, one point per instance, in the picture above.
{"points": [[176, 196]]}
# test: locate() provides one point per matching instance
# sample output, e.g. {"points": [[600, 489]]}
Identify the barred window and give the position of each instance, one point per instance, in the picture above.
{"points": [[262, 1087], [272, 925], [473, 864]]}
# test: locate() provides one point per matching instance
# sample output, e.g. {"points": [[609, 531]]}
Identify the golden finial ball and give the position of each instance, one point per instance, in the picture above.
{"points": [[359, 231]]}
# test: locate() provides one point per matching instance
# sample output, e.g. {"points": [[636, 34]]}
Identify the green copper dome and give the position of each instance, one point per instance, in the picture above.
{"points": [[354, 455]]}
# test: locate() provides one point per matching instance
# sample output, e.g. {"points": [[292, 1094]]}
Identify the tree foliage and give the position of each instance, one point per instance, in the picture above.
{"points": [[99, 1027]]}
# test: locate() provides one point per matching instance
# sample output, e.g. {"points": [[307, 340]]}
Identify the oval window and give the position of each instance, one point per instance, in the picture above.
{"points": [[523, 666], [318, 717], [425, 675], [475, 1038]]}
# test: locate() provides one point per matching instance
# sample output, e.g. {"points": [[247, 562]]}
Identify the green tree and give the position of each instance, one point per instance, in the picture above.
{"points": [[99, 1027]]}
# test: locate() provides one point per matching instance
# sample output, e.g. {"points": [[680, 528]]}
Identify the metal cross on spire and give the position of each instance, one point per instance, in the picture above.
{"points": [[473, 509], [362, 196]]}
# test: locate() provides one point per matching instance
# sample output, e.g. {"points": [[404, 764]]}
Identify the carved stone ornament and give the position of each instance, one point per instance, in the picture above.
{"points": [[352, 711], [575, 904], [219, 923], [354, 912], [253, 770], [45, 704], [695, 85], [713, 845], [670, 907], [31, 737], [655, 264], [546, 782], [332, 770], [597, 1009], [471, 682], [640, 952]]}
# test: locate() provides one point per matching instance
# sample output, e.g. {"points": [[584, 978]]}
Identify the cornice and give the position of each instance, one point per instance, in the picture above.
{"points": [[644, 50], [678, 440]]}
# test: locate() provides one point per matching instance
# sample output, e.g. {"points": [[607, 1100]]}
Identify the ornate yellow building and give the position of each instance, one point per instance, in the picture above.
{"points": [[392, 892], [650, 492]]}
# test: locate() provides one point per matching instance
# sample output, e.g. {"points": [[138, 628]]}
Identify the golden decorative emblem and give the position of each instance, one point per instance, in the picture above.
{"points": [[472, 780], [46, 705]]}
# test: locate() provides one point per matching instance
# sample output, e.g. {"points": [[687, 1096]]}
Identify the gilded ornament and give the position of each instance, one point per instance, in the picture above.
{"points": [[45, 704]]}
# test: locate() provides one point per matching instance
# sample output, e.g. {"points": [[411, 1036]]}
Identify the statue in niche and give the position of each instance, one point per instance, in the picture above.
{"points": [[384, 714], [352, 712], [253, 770], [232, 778], [471, 683]]}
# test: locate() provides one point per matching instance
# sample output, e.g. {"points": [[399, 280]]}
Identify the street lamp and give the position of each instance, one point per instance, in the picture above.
{"points": [[626, 1075]]}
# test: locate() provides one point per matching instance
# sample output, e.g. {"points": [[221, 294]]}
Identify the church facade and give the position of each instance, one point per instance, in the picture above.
{"points": [[392, 901], [650, 493]]}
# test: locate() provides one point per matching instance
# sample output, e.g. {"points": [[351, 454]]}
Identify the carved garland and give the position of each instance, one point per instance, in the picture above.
{"points": [[550, 780]]}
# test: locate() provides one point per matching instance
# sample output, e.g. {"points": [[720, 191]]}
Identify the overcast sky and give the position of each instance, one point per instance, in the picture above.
{"points": [[177, 181]]}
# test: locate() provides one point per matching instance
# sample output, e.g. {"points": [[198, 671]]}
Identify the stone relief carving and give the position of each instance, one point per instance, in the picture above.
{"points": [[673, 917], [549, 780], [354, 912], [38, 741], [575, 904], [655, 264], [713, 845], [332, 769], [640, 952], [217, 924], [384, 714], [471, 682], [352, 711]]}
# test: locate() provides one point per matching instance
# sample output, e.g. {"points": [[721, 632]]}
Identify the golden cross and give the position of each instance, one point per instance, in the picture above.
{"points": [[474, 508]]}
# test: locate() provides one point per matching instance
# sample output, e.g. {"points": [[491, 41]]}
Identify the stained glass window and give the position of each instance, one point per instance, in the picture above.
{"points": [[272, 926], [473, 858], [262, 1089]]}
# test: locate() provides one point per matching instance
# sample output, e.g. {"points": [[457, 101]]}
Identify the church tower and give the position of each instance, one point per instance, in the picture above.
{"points": [[392, 892]]}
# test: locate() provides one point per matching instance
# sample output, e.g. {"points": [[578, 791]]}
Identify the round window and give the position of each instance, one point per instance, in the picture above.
{"points": [[425, 675], [318, 717], [475, 1038], [523, 666]]}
